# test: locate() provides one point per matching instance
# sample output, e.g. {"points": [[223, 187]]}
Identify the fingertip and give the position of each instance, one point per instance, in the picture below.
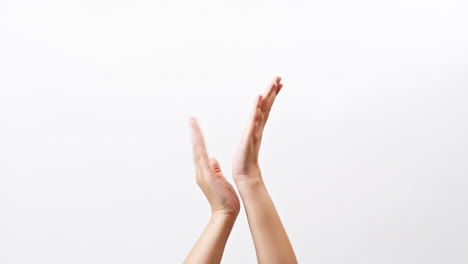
{"points": [[278, 79], [192, 120], [272, 87], [213, 161], [258, 98], [279, 87], [196, 132]]}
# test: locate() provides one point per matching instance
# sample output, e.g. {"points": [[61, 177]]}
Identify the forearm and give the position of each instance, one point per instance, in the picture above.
{"points": [[210, 246], [271, 241]]}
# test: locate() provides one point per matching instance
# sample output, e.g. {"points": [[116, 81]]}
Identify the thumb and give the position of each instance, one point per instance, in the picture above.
{"points": [[216, 168]]}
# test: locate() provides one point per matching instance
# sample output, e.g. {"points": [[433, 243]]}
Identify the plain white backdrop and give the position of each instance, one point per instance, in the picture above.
{"points": [[365, 153]]}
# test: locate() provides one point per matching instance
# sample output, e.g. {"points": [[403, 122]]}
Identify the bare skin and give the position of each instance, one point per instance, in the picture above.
{"points": [[271, 241], [272, 244], [223, 200]]}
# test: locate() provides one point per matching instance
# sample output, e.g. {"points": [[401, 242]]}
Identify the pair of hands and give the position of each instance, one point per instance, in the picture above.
{"points": [[270, 239], [219, 192]]}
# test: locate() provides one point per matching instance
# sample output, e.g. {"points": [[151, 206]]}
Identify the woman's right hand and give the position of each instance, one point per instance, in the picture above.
{"points": [[245, 164], [271, 241]]}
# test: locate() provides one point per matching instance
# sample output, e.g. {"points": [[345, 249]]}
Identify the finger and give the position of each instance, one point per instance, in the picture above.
{"points": [[278, 79], [271, 88], [280, 85], [200, 154], [269, 104], [267, 112], [268, 87], [270, 99], [253, 115], [271, 92], [275, 83], [254, 118], [215, 168]]}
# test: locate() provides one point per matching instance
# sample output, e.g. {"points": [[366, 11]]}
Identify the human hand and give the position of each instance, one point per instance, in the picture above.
{"points": [[219, 192], [245, 164], [271, 241]]}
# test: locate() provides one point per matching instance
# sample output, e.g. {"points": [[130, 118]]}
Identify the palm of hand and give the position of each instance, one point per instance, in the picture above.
{"points": [[245, 163], [225, 197], [219, 192]]}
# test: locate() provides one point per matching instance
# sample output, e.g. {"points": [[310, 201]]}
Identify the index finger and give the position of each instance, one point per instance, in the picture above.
{"points": [[270, 95], [200, 155]]}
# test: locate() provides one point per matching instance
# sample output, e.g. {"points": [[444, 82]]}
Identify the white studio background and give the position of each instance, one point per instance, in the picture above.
{"points": [[365, 154]]}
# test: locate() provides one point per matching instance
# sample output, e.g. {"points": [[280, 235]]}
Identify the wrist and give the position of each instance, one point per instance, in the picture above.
{"points": [[249, 185], [252, 176], [223, 217]]}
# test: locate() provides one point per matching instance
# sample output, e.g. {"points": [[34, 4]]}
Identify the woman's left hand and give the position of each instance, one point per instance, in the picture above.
{"points": [[219, 192]]}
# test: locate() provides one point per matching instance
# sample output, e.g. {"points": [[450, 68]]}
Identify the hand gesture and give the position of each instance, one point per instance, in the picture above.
{"points": [[219, 192], [245, 165]]}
